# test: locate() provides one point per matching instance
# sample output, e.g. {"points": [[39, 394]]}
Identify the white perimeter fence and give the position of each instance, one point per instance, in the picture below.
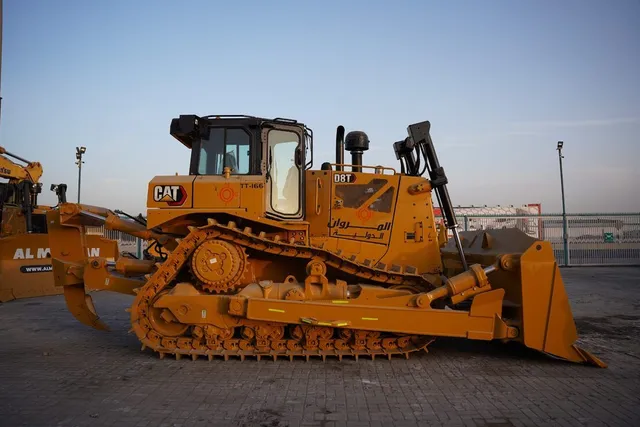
{"points": [[580, 239]]}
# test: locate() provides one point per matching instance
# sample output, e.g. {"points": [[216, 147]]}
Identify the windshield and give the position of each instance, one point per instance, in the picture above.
{"points": [[225, 147]]}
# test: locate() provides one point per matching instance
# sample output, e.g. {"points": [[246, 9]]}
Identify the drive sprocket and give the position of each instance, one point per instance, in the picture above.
{"points": [[219, 265]]}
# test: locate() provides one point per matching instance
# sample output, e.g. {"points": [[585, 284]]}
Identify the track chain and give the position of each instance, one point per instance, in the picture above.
{"points": [[262, 339]]}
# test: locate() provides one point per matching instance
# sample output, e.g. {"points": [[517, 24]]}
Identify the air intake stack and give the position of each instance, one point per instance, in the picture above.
{"points": [[357, 142]]}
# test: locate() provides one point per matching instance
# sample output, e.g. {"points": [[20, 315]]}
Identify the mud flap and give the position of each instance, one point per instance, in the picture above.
{"points": [[80, 304]]}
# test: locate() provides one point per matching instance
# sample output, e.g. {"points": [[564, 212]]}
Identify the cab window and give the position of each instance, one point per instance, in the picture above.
{"points": [[225, 147]]}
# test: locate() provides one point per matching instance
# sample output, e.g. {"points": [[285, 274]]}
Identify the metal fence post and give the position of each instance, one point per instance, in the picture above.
{"points": [[466, 223], [565, 236], [139, 248], [567, 248]]}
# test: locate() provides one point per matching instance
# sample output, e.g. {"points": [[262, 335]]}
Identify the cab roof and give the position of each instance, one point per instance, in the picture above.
{"points": [[189, 128]]}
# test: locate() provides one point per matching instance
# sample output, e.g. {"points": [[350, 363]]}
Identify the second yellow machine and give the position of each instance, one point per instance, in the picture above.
{"points": [[259, 255], [25, 259]]}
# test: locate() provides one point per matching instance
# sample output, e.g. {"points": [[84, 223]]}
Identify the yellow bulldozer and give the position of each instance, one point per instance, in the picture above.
{"points": [[25, 260], [258, 255]]}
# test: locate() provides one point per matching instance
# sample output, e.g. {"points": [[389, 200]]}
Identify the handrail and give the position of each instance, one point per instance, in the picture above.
{"points": [[383, 168]]}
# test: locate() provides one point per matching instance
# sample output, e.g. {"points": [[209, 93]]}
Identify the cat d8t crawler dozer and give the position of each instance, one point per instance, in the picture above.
{"points": [[259, 255]]}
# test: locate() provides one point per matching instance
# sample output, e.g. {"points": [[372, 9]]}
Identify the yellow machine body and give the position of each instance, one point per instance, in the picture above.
{"points": [[25, 264], [25, 256], [259, 255]]}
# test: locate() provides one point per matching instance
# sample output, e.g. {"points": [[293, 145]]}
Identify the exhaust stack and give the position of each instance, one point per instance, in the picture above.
{"points": [[357, 142], [340, 148]]}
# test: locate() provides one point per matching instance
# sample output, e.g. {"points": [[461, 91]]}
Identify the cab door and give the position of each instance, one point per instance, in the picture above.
{"points": [[284, 171]]}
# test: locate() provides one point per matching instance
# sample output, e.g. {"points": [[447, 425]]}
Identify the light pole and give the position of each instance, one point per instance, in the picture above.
{"points": [[565, 235], [79, 152]]}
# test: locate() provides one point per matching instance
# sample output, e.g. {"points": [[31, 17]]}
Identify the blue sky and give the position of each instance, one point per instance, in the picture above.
{"points": [[500, 81]]}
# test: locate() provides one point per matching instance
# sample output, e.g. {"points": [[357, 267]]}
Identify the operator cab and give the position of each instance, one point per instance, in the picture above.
{"points": [[274, 151], [17, 204]]}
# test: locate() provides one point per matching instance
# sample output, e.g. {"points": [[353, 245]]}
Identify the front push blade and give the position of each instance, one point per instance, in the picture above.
{"points": [[548, 322], [535, 297], [80, 304]]}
